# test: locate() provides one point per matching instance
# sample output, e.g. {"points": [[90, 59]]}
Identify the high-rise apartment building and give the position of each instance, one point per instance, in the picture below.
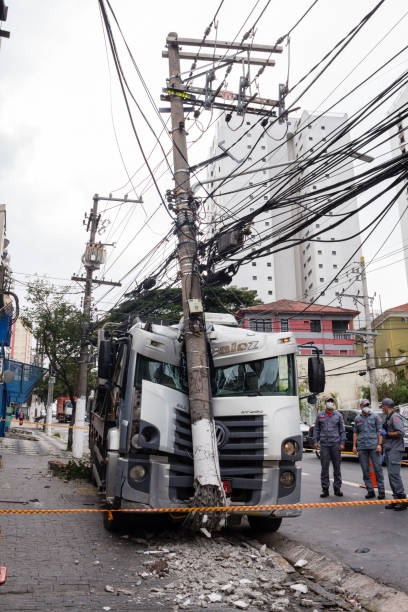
{"points": [[304, 271], [399, 144], [20, 346]]}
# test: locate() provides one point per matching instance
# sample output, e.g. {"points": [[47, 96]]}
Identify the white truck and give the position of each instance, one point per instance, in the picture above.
{"points": [[140, 429]]}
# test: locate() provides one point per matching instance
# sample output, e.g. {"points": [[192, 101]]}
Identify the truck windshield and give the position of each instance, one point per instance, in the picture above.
{"points": [[157, 372], [273, 376]]}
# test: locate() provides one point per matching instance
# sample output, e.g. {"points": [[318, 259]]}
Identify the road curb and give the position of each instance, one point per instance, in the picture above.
{"points": [[371, 594]]}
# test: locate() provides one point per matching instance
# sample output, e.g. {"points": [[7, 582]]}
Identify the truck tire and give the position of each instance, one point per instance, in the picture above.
{"points": [[264, 523], [115, 524]]}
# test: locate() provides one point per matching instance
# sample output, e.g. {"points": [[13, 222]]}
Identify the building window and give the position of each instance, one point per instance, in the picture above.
{"points": [[320, 265], [267, 223], [334, 266], [317, 224], [309, 273], [254, 263], [249, 147], [334, 252], [310, 138], [269, 265], [284, 325], [269, 278], [254, 278], [387, 355], [270, 292], [332, 239], [260, 325], [315, 326], [319, 252], [321, 280], [323, 127], [311, 285]]}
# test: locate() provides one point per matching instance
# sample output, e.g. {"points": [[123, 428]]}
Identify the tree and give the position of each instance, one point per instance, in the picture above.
{"points": [[397, 391], [165, 304], [56, 325]]}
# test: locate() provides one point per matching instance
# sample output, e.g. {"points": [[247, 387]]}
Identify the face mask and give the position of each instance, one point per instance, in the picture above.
{"points": [[366, 409], [330, 405]]}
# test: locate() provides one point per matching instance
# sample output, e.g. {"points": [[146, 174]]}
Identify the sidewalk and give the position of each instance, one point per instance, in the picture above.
{"points": [[57, 562]]}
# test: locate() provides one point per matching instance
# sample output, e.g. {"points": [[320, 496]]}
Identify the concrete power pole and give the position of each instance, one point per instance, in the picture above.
{"points": [[207, 480], [370, 340], [50, 399], [80, 409], [93, 258]]}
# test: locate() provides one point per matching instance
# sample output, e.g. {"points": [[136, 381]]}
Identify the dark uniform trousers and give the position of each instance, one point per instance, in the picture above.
{"points": [[333, 454]]}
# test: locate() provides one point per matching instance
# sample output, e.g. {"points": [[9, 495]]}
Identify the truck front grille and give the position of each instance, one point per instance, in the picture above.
{"points": [[241, 451]]}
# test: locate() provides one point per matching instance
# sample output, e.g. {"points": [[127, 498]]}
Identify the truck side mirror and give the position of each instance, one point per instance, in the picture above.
{"points": [[316, 374], [106, 361]]}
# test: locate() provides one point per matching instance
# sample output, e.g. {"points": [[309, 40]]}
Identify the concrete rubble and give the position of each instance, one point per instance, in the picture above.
{"points": [[189, 572]]}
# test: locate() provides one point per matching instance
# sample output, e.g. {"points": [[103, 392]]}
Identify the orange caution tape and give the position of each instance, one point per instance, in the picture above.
{"points": [[206, 509]]}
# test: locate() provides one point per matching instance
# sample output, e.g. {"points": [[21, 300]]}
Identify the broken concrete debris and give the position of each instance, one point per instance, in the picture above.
{"points": [[188, 572]]}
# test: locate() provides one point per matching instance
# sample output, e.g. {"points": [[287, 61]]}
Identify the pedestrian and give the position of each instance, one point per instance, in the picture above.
{"points": [[393, 443], [21, 416], [330, 432], [367, 441]]}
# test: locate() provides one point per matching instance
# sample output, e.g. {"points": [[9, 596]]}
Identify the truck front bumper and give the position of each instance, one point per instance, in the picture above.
{"points": [[156, 489]]}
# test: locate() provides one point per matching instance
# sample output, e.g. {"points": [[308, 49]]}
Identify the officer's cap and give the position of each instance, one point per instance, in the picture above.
{"points": [[387, 402], [364, 402]]}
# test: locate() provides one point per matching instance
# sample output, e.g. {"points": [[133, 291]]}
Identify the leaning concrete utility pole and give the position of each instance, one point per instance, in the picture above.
{"points": [[207, 480], [370, 340]]}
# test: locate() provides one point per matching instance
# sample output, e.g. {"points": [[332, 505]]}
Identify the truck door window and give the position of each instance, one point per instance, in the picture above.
{"points": [[157, 372], [274, 376]]}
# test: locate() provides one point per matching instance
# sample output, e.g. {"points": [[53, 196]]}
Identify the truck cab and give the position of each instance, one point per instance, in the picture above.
{"points": [[140, 428]]}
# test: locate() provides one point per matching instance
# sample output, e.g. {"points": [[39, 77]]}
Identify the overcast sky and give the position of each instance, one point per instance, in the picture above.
{"points": [[58, 99]]}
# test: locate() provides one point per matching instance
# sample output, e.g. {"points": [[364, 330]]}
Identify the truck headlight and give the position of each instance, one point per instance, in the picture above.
{"points": [[291, 447], [287, 479], [137, 472]]}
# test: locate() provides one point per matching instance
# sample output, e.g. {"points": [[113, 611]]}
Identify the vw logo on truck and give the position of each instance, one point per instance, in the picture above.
{"points": [[221, 434]]}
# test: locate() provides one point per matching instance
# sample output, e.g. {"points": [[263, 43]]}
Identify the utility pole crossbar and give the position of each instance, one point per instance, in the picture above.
{"points": [[208, 57], [221, 44], [82, 279]]}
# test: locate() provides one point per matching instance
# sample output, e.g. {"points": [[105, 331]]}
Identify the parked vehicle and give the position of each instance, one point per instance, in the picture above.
{"points": [[64, 410], [140, 429]]}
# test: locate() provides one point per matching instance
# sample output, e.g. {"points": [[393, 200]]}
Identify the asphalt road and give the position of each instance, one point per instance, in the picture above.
{"points": [[339, 532]]}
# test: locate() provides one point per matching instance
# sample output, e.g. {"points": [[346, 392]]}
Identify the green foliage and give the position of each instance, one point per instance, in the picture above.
{"points": [[397, 391], [56, 326], [165, 304], [76, 469]]}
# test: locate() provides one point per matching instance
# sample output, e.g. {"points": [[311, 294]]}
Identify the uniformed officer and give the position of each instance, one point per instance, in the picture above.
{"points": [[367, 441], [393, 443], [329, 430]]}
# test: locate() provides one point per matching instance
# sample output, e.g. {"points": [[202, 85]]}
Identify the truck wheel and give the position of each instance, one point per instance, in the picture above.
{"points": [[264, 523], [115, 524]]}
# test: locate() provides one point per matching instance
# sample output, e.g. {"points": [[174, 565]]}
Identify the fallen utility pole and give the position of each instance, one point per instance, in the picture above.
{"points": [[207, 479], [93, 258]]}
